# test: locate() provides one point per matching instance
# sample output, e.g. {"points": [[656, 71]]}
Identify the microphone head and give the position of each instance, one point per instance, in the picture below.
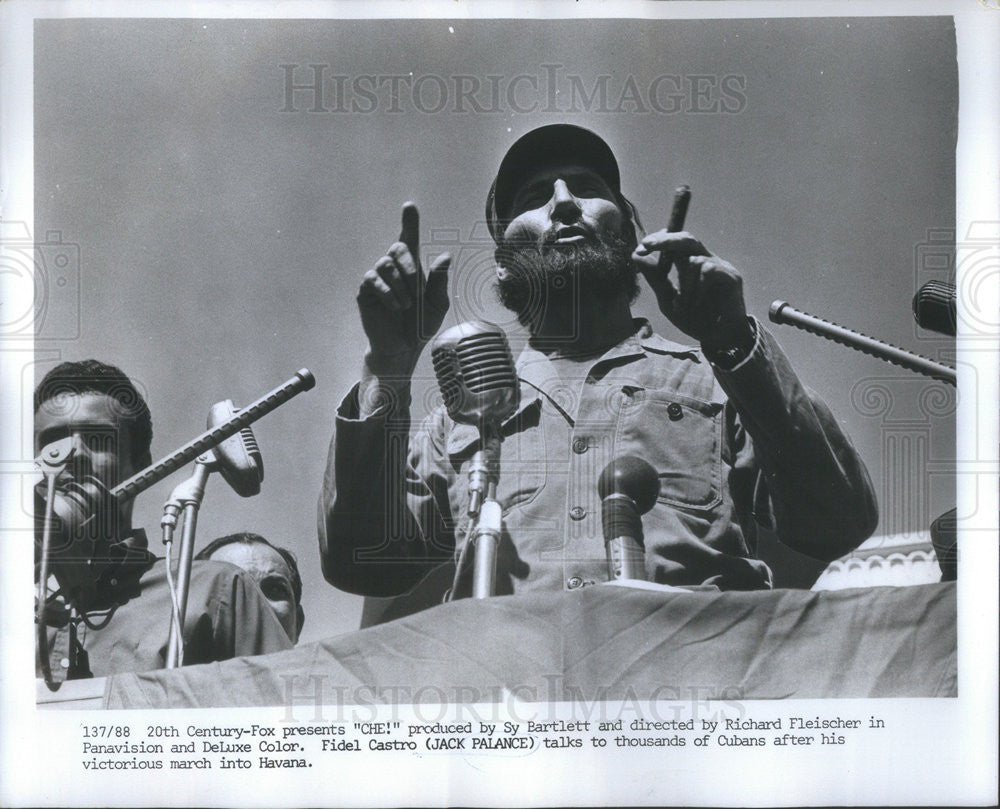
{"points": [[305, 378], [239, 457], [632, 477], [934, 307], [476, 374]]}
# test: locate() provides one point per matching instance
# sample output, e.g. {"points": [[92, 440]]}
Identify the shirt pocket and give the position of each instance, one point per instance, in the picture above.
{"points": [[522, 465], [681, 437]]}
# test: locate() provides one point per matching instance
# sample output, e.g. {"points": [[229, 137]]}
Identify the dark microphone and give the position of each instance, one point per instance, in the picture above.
{"points": [[628, 487], [478, 381], [238, 457], [934, 307]]}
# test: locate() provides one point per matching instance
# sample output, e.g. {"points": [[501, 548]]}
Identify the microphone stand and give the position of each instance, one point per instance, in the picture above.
{"points": [[52, 461], [489, 519], [187, 496]]}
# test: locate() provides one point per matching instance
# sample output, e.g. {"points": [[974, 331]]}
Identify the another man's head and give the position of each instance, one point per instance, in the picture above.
{"points": [[563, 229], [274, 569], [100, 408]]}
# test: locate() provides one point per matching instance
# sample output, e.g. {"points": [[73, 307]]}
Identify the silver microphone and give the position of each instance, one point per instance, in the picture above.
{"points": [[476, 374], [477, 378], [475, 371], [238, 458]]}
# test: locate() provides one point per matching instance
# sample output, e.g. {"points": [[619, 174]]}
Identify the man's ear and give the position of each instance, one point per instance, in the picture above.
{"points": [[631, 233], [632, 230], [500, 256]]}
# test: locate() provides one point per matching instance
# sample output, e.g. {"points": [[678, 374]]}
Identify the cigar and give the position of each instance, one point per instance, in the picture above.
{"points": [[682, 197]]}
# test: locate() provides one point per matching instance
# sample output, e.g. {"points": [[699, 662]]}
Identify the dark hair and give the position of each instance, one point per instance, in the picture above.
{"points": [[250, 538], [94, 376]]}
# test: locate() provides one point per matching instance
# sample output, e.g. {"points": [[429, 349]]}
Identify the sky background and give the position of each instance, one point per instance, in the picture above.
{"points": [[223, 227]]}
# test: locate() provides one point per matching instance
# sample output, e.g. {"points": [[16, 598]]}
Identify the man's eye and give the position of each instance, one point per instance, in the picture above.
{"points": [[275, 589], [589, 190], [530, 200]]}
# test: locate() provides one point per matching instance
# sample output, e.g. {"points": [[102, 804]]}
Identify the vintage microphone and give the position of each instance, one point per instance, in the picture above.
{"points": [[239, 461], [628, 487], [478, 381], [782, 312], [934, 307], [302, 381]]}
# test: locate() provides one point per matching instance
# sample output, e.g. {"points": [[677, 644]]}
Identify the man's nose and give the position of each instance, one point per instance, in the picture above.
{"points": [[565, 207], [81, 460]]}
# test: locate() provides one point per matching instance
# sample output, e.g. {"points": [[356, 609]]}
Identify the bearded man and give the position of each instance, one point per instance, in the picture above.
{"points": [[737, 441]]}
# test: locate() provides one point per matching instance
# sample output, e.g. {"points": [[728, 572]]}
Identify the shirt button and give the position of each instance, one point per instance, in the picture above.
{"points": [[674, 411], [578, 512], [580, 445], [64, 662], [574, 583]]}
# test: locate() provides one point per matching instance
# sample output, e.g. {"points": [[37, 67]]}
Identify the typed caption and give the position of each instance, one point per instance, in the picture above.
{"points": [[167, 746]]}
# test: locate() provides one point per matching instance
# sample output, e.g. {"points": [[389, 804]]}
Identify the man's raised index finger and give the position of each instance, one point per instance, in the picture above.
{"points": [[410, 232]]}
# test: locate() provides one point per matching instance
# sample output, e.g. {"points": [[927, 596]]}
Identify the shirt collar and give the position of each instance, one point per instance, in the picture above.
{"points": [[532, 364], [650, 341], [535, 372], [131, 558]]}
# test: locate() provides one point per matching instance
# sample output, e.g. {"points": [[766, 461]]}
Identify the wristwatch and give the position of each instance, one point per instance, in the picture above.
{"points": [[728, 358]]}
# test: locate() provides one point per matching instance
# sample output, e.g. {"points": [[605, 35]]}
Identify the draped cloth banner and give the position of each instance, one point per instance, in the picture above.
{"points": [[599, 643]]}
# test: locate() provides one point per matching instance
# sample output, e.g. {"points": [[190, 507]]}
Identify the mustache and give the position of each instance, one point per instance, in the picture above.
{"points": [[556, 232], [531, 250]]}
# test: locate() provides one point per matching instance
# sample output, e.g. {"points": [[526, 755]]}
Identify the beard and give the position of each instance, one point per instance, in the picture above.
{"points": [[533, 277]]}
